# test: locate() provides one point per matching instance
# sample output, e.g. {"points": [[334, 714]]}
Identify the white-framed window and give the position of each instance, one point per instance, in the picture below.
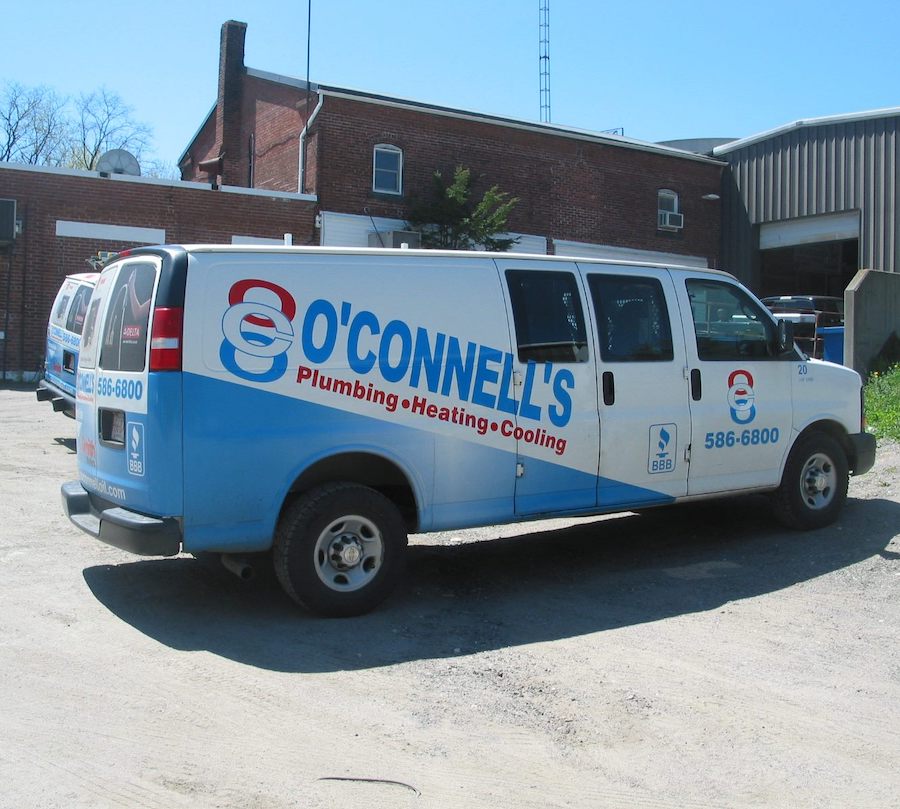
{"points": [[668, 217], [387, 169]]}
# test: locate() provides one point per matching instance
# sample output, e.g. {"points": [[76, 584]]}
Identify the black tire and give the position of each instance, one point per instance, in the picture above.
{"points": [[814, 485], [340, 549]]}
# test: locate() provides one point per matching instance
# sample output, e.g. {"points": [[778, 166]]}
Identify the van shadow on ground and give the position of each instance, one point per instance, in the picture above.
{"points": [[489, 595]]}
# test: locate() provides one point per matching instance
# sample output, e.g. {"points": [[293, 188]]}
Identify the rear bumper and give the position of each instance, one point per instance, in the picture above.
{"points": [[863, 451], [119, 527], [61, 400]]}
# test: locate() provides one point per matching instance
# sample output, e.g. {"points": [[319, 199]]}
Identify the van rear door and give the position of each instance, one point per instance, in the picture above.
{"points": [[123, 446]]}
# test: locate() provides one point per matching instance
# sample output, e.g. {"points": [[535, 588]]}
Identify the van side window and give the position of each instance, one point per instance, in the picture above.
{"points": [[632, 318], [728, 324], [78, 310], [124, 346], [548, 316]]}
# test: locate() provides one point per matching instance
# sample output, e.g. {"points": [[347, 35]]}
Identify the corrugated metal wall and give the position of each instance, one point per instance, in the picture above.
{"points": [[810, 170]]}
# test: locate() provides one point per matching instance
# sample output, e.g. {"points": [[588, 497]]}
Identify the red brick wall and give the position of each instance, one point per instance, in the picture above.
{"points": [[204, 147], [275, 115], [33, 270], [229, 113], [568, 189]]}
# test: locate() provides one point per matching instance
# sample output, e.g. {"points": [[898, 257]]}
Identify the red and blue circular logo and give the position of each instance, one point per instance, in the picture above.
{"points": [[741, 397]]}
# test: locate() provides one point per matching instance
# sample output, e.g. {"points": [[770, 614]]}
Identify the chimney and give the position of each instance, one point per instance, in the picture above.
{"points": [[228, 104]]}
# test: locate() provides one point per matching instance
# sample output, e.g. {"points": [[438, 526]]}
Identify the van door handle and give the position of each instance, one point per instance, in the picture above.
{"points": [[609, 388], [696, 386]]}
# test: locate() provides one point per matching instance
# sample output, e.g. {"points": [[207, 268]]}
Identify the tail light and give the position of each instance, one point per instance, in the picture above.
{"points": [[165, 339]]}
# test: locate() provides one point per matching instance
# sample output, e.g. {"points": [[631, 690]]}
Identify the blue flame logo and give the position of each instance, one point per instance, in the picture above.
{"points": [[664, 439]]}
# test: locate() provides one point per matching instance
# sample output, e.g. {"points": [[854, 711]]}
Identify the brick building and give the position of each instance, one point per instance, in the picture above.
{"points": [[332, 166], [365, 157], [66, 216]]}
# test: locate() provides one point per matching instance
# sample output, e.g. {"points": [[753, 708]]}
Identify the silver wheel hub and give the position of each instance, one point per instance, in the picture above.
{"points": [[345, 552], [818, 483], [348, 553]]}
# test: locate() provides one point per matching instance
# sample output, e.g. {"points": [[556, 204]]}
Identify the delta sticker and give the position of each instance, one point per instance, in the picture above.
{"points": [[663, 443]]}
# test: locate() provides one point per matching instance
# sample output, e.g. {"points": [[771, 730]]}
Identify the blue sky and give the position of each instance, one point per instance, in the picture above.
{"points": [[659, 69]]}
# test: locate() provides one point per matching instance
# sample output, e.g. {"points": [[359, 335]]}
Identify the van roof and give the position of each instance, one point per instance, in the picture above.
{"points": [[85, 277], [410, 253]]}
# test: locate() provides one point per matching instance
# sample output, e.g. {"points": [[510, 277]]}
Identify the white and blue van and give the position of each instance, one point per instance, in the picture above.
{"points": [[323, 403], [57, 383]]}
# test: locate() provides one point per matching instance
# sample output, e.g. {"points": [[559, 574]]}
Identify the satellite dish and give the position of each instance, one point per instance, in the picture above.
{"points": [[118, 161]]}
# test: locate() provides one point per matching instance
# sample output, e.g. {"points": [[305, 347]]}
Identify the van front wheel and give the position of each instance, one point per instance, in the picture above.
{"points": [[340, 549], [814, 485]]}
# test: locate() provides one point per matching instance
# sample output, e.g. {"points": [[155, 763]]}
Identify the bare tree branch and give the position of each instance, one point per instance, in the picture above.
{"points": [[41, 128], [104, 123], [33, 125]]}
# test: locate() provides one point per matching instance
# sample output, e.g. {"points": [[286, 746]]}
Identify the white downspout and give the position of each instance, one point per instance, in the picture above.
{"points": [[301, 180]]}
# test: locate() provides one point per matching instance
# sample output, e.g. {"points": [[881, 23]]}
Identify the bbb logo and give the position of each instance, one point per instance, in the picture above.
{"points": [[661, 454], [741, 397]]}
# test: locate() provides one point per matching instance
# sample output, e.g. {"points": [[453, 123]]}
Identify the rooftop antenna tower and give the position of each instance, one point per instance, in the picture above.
{"points": [[544, 36]]}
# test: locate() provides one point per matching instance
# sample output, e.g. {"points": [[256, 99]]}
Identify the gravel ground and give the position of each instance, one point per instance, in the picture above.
{"points": [[698, 656]]}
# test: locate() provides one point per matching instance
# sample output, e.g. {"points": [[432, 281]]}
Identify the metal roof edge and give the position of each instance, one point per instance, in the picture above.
{"points": [[482, 117], [277, 78], [194, 137], [804, 123], [189, 185], [514, 123]]}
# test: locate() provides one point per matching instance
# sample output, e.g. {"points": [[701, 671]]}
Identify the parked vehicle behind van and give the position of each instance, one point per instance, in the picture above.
{"points": [[323, 403], [809, 314], [57, 383]]}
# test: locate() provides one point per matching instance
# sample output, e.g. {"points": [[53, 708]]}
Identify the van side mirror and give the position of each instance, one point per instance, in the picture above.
{"points": [[785, 337]]}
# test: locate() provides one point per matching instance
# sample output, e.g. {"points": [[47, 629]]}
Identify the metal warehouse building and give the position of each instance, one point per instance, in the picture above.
{"points": [[806, 205]]}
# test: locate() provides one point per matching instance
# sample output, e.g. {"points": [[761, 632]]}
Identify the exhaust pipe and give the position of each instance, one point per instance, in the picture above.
{"points": [[238, 565]]}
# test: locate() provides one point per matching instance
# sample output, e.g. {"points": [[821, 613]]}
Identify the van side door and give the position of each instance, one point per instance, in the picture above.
{"points": [[644, 410], [741, 403], [551, 400]]}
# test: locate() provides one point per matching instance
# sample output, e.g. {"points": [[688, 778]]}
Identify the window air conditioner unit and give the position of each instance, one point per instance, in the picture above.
{"points": [[671, 221], [395, 238]]}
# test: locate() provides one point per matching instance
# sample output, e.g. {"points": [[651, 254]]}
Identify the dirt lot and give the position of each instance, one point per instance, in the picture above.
{"points": [[691, 657]]}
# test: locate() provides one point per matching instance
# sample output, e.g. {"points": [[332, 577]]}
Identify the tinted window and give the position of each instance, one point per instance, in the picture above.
{"points": [[632, 318], [124, 344], [728, 323], [548, 316], [78, 311], [89, 338], [59, 312]]}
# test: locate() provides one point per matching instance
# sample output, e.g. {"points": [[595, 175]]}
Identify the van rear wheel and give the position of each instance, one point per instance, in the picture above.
{"points": [[814, 485], [340, 549]]}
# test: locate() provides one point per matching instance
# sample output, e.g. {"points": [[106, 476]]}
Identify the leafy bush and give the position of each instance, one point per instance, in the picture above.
{"points": [[883, 403]]}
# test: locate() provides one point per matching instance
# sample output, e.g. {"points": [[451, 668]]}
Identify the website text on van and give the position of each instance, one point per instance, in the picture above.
{"points": [[323, 403]]}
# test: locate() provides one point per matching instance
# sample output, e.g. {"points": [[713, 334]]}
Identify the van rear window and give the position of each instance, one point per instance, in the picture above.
{"points": [[124, 346], [78, 309]]}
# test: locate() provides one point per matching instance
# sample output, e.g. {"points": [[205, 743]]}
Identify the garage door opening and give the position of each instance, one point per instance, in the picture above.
{"points": [[825, 268]]}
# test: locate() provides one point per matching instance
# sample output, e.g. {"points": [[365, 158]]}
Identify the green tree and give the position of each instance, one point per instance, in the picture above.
{"points": [[450, 218]]}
